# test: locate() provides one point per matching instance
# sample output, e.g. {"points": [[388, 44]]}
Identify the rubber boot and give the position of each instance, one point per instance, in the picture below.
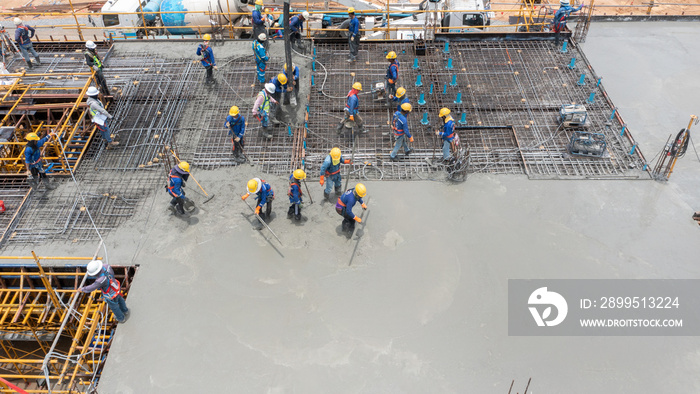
{"points": [[290, 211], [326, 196], [30, 65], [266, 132], [346, 225], [338, 190], [38, 61], [49, 183], [268, 211], [297, 216]]}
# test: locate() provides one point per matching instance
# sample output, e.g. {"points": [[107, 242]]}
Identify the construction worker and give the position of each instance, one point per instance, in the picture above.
{"points": [[448, 132], [32, 158], [351, 105], [561, 17], [280, 82], [176, 181], [261, 57], [259, 20], [392, 73], [235, 122], [99, 116], [400, 98], [295, 194], [296, 25], [353, 35], [23, 38], [109, 286], [92, 59], [331, 169], [294, 86], [264, 195], [345, 204], [261, 108], [206, 55], [399, 125]]}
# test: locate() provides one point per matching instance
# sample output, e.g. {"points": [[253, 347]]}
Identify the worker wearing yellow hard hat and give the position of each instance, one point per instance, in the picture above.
{"points": [[206, 58], [280, 82], [293, 84], [264, 196], [176, 180], [352, 118], [401, 98], [448, 132], [235, 123], [353, 35], [392, 73], [399, 126], [36, 174], [345, 204], [258, 19], [295, 194], [331, 169]]}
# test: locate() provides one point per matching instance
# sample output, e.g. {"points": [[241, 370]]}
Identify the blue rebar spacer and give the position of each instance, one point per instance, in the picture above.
{"points": [[622, 132], [463, 120], [582, 80], [459, 98], [454, 80], [613, 113], [415, 64], [444, 89], [591, 98], [421, 100], [633, 148], [313, 66], [312, 81], [599, 79], [449, 64], [447, 47], [572, 64], [419, 80], [431, 88], [563, 47], [425, 119]]}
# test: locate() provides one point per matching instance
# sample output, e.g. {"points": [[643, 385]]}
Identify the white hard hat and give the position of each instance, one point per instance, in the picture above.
{"points": [[18, 21], [262, 37], [90, 44], [94, 267], [92, 91], [305, 15], [564, 2], [270, 87]]}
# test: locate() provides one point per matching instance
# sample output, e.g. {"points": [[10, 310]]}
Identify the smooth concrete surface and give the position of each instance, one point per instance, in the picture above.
{"points": [[218, 307]]}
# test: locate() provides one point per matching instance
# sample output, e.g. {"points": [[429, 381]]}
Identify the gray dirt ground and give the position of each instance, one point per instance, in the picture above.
{"points": [[218, 307]]}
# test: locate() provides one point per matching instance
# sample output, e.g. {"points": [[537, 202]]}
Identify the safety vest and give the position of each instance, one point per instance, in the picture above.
{"points": [[23, 35], [171, 186], [265, 106], [113, 287], [205, 54], [395, 65], [447, 137], [31, 153], [94, 112], [292, 184], [341, 203], [397, 132], [95, 58], [350, 93]]}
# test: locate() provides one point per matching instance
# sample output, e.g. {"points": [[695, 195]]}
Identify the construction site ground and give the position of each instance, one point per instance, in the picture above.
{"points": [[416, 300]]}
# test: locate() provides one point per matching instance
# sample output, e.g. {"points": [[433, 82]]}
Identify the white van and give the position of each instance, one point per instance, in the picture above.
{"points": [[457, 22]]}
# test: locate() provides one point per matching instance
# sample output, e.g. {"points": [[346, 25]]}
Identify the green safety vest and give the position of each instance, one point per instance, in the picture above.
{"points": [[265, 107], [95, 59]]}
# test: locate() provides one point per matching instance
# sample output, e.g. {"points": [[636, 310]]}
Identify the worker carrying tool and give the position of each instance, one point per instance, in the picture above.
{"points": [[331, 169], [235, 122], [177, 178], [264, 196], [280, 82], [32, 158], [561, 17], [448, 132], [294, 86], [296, 25], [400, 98], [353, 35], [99, 116], [261, 108], [392, 73], [345, 204], [92, 59], [110, 288], [206, 55], [261, 57], [259, 20], [399, 125], [295, 194], [351, 105], [23, 38]]}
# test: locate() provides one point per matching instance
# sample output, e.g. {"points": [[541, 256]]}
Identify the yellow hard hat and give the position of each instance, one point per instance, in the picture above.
{"points": [[335, 153], [400, 92], [444, 112], [357, 86], [285, 66], [361, 190], [391, 55], [233, 111], [351, 10], [206, 37], [31, 137], [406, 107], [259, 2], [282, 78], [184, 166], [254, 185], [299, 174]]}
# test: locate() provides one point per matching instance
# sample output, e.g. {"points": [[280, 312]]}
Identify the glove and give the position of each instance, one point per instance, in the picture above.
{"points": [[195, 61], [110, 117], [243, 197], [257, 210], [216, 68], [391, 96], [237, 139], [322, 180], [391, 81], [410, 139], [358, 219], [437, 133], [352, 117], [364, 206]]}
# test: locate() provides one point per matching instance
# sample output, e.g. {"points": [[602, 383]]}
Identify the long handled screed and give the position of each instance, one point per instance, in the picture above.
{"points": [[195, 180], [263, 222], [308, 192], [364, 222]]}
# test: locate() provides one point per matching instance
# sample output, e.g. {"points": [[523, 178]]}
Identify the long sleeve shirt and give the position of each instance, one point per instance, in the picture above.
{"points": [[259, 51], [328, 168], [448, 129], [392, 72], [265, 193], [354, 27], [207, 55], [32, 156], [279, 86], [236, 125], [95, 106], [294, 192], [296, 24], [561, 16], [348, 200], [400, 125], [24, 34], [402, 100], [257, 18], [175, 183], [352, 102], [296, 74], [262, 103], [101, 282], [92, 59]]}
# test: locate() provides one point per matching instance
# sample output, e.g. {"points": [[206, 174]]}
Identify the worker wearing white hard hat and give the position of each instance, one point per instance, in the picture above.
{"points": [[92, 59], [110, 287], [23, 38], [262, 106], [100, 116], [296, 25], [560, 19]]}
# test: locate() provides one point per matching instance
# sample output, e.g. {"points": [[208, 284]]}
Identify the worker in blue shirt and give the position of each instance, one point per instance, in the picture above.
{"points": [[235, 122], [294, 86], [264, 195], [261, 57], [448, 132], [258, 19], [351, 105], [296, 25], [353, 35], [392, 73], [399, 125], [345, 204], [280, 82], [295, 194], [32, 158], [400, 98], [176, 181], [23, 38], [206, 55], [561, 17], [110, 288], [331, 169]]}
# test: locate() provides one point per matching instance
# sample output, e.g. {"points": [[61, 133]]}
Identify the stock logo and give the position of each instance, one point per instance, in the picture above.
{"points": [[542, 297]]}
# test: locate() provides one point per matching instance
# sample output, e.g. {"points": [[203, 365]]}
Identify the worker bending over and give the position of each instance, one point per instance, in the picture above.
{"points": [[352, 103], [206, 57], [280, 82], [345, 204], [32, 158], [296, 25], [261, 57], [264, 196], [295, 195], [99, 116], [448, 132], [392, 73], [400, 127], [92, 59], [331, 169], [294, 85], [176, 181], [235, 122], [261, 108], [109, 286]]}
